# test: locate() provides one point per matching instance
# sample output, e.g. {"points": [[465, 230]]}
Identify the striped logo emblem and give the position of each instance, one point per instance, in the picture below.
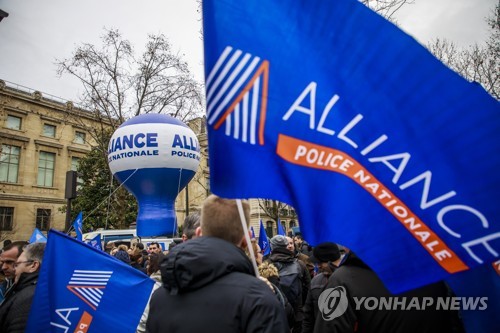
{"points": [[89, 285], [237, 95]]}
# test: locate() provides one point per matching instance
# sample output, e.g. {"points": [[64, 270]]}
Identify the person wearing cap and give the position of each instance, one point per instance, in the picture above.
{"points": [[294, 276], [327, 257]]}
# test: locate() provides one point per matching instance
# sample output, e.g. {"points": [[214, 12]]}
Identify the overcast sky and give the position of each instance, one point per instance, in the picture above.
{"points": [[37, 32]]}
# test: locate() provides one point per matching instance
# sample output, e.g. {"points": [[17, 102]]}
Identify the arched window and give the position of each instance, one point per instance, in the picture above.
{"points": [[293, 224]]}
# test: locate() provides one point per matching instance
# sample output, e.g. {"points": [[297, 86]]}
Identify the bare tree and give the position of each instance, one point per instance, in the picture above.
{"points": [[276, 209], [119, 85], [477, 63], [386, 8]]}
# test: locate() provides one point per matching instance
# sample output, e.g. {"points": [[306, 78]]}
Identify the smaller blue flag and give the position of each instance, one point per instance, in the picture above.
{"points": [[37, 237], [79, 287], [95, 242], [281, 231], [77, 224], [263, 242], [253, 232]]}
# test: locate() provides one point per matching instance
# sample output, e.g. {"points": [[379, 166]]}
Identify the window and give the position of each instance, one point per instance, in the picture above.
{"points": [[49, 130], [79, 137], [292, 224], [46, 164], [43, 219], [75, 163], [269, 229], [9, 163], [6, 218], [14, 122]]}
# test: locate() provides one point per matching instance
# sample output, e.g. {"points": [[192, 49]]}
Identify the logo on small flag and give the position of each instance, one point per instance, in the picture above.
{"points": [[89, 285]]}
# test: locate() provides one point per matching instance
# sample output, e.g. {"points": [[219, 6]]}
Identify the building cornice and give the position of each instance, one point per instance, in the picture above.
{"points": [[40, 199]]}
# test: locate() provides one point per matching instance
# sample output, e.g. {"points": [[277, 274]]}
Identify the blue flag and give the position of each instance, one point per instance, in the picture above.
{"points": [[77, 225], [281, 231], [253, 232], [263, 241], [37, 237], [328, 107], [79, 288], [95, 242]]}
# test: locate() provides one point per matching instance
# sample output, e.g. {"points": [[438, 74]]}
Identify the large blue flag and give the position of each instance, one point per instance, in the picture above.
{"points": [[330, 108], [79, 288], [37, 237], [263, 241], [78, 226]]}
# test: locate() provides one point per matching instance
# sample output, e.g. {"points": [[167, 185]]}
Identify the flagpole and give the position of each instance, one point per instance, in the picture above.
{"points": [[247, 236]]}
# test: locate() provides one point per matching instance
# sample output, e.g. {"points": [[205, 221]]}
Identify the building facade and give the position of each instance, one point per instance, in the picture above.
{"points": [[39, 143]]}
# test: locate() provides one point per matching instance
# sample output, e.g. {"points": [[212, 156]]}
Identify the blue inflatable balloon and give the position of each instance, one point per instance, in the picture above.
{"points": [[154, 156]]}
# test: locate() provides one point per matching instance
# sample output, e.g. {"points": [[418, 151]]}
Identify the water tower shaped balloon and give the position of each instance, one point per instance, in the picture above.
{"points": [[154, 156]]}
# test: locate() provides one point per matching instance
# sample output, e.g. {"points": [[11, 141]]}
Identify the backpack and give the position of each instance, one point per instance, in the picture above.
{"points": [[291, 281]]}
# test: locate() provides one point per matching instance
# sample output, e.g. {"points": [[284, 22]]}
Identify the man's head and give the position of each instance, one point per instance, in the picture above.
{"points": [[30, 260], [154, 247], [220, 218], [191, 223], [279, 242], [291, 244], [325, 254], [298, 240], [9, 256]]}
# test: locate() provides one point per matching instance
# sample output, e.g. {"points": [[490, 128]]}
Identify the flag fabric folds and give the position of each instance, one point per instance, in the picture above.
{"points": [[328, 107], [252, 231], [280, 229], [263, 241], [78, 226], [95, 242], [79, 288], [37, 237]]}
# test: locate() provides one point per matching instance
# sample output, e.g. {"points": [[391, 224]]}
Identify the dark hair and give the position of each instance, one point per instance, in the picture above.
{"points": [[153, 264], [140, 246], [191, 222], [155, 243], [19, 245]]}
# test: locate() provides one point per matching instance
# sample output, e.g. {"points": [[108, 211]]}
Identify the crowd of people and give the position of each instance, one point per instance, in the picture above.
{"points": [[208, 283]]}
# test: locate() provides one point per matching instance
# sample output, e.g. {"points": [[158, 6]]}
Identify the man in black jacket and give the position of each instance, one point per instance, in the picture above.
{"points": [[327, 257], [294, 276], [209, 283], [15, 308], [354, 279]]}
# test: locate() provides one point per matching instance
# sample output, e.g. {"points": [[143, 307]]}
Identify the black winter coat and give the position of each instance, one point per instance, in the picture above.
{"points": [[318, 284], [209, 286], [360, 281], [15, 308]]}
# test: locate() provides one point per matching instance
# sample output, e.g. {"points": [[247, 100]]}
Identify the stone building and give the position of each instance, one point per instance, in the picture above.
{"points": [[39, 142]]}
